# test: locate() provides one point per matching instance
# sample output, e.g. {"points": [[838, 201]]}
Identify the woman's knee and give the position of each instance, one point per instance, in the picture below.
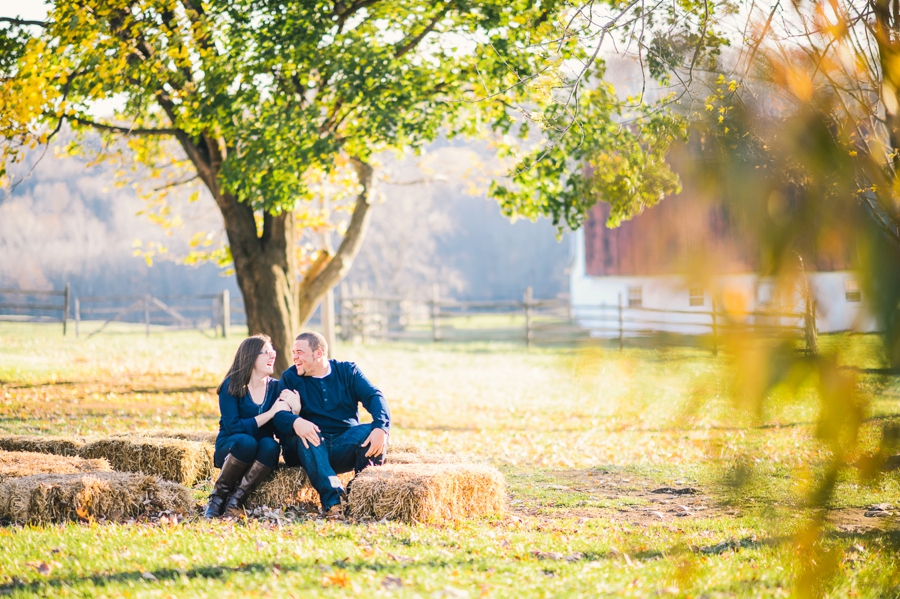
{"points": [[268, 452], [244, 447]]}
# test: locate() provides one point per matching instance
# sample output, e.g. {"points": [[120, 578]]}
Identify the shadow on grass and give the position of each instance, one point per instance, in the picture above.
{"points": [[102, 580]]}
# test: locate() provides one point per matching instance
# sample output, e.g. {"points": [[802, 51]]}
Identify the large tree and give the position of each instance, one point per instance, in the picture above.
{"points": [[254, 94]]}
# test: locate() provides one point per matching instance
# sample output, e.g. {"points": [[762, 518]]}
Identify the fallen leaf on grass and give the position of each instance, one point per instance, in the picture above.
{"points": [[391, 583], [178, 559], [336, 579], [149, 576], [43, 568], [553, 555]]}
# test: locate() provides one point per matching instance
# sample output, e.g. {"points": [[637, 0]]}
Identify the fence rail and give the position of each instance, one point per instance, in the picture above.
{"points": [[24, 309], [202, 311], [548, 321], [360, 315]]}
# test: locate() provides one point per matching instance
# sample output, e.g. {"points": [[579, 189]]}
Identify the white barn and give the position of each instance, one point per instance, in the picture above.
{"points": [[645, 266]]}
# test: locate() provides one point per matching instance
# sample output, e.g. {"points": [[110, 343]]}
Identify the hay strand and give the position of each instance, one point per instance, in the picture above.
{"points": [[427, 492], [184, 462], [22, 463], [46, 498]]}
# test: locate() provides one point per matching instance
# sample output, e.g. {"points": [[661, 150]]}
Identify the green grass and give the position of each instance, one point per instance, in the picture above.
{"points": [[582, 436]]}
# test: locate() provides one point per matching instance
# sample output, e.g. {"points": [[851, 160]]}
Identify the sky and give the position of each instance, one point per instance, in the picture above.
{"points": [[26, 9]]}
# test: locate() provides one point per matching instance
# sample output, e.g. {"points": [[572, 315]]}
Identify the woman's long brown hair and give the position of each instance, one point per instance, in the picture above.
{"points": [[242, 367]]}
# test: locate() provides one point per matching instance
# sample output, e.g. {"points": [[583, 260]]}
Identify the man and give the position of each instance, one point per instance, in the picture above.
{"points": [[326, 437]]}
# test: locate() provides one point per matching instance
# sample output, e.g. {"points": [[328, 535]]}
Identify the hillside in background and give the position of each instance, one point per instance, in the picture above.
{"points": [[69, 222]]}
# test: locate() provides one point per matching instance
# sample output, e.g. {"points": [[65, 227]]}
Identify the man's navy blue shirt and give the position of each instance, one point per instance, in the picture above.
{"points": [[332, 402]]}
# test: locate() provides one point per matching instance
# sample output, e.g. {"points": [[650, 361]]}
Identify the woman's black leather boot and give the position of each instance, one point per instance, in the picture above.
{"points": [[255, 475], [231, 473]]}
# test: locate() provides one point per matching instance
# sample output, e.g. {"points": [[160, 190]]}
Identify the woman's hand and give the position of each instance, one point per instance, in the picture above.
{"points": [[293, 400], [279, 406]]}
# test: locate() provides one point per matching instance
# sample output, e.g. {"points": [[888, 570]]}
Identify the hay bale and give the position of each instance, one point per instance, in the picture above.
{"points": [[46, 498], [184, 462], [21, 463], [56, 445], [288, 487], [427, 492], [196, 436], [425, 458], [402, 447]]}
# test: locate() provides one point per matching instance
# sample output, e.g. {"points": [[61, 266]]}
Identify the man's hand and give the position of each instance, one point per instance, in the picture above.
{"points": [[375, 441], [307, 431], [293, 400]]}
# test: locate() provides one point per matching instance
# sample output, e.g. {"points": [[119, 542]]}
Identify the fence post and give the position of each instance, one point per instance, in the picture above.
{"points": [[435, 311], [811, 334], [226, 313], [715, 329], [77, 316], [147, 313], [65, 317], [527, 304], [345, 312], [621, 324]]}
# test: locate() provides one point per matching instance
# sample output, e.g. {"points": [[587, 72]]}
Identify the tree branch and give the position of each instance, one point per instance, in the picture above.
{"points": [[428, 29], [124, 130], [23, 22], [344, 14], [340, 264]]}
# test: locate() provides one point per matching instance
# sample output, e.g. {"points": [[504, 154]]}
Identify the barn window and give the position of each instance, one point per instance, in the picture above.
{"points": [[851, 290], [635, 297], [696, 297]]}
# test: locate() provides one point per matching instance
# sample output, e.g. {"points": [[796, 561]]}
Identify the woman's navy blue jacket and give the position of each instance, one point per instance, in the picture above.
{"points": [[239, 413]]}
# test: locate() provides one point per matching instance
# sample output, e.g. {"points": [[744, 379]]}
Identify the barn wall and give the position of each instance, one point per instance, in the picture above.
{"points": [[744, 291]]}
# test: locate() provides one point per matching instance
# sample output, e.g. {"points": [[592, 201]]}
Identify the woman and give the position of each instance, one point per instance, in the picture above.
{"points": [[245, 447]]}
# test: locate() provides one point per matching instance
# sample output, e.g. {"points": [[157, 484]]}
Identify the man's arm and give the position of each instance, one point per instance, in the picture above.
{"points": [[371, 398], [284, 421]]}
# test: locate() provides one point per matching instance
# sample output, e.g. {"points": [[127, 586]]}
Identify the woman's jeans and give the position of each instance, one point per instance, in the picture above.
{"points": [[247, 449]]}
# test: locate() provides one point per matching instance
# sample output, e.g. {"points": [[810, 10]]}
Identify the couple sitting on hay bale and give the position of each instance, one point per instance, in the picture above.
{"points": [[313, 410]]}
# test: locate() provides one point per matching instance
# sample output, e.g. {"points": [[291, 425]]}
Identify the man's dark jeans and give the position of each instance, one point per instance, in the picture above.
{"points": [[334, 455]]}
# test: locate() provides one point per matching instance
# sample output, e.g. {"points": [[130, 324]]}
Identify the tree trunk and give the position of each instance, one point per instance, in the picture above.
{"points": [[276, 302], [267, 276]]}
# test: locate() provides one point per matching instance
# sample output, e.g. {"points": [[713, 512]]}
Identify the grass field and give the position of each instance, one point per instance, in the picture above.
{"points": [[584, 438]]}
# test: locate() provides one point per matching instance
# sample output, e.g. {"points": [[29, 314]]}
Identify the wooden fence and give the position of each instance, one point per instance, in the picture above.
{"points": [[216, 311], [549, 321], [35, 305], [364, 316]]}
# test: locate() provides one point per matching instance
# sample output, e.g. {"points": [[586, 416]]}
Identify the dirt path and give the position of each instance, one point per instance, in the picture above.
{"points": [[641, 501]]}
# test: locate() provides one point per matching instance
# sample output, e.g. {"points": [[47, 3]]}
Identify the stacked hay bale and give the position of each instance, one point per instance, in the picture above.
{"points": [[47, 498], [185, 462], [196, 436], [394, 457], [57, 445], [15, 464], [427, 492], [41, 488]]}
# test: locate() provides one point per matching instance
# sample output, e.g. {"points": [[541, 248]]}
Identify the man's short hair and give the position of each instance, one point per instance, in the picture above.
{"points": [[314, 340]]}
